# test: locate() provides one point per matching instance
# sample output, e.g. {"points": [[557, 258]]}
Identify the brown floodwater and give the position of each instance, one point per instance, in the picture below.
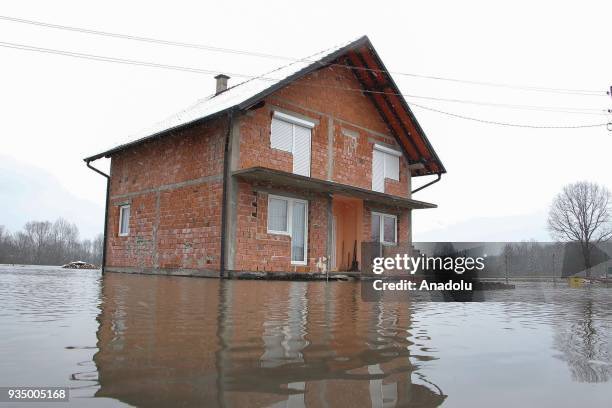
{"points": [[134, 340]]}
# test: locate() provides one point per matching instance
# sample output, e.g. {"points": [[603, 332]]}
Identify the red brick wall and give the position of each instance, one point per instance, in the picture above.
{"points": [[316, 97], [353, 150], [255, 147], [256, 250], [135, 250], [189, 234], [186, 155], [174, 187]]}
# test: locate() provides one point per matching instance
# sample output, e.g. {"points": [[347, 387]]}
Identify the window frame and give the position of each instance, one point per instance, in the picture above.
{"points": [[272, 231], [294, 121], [122, 209], [381, 227], [289, 232], [387, 151]]}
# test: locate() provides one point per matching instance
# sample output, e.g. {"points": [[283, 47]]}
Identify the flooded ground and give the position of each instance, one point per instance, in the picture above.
{"points": [[120, 340]]}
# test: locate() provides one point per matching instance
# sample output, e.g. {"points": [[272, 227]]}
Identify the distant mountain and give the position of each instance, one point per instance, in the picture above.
{"points": [[515, 228], [30, 193]]}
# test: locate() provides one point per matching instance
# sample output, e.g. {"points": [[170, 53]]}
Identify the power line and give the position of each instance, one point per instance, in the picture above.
{"points": [[492, 122], [552, 109], [113, 59], [251, 77], [583, 92], [146, 39], [582, 111]]}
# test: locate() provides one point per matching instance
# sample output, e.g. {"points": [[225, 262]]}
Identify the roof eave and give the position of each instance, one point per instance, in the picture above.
{"points": [[145, 139], [407, 108]]}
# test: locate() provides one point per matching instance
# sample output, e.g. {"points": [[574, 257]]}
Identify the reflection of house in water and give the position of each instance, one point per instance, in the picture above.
{"points": [[185, 342]]}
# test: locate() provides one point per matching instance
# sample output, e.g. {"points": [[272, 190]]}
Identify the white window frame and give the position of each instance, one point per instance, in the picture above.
{"points": [[387, 151], [296, 122], [289, 232], [272, 231], [292, 119], [122, 208], [381, 227]]}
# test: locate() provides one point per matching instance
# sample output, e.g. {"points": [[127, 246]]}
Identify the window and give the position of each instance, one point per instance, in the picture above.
{"points": [[385, 164], [277, 215], [384, 228], [292, 135], [124, 220], [289, 216]]}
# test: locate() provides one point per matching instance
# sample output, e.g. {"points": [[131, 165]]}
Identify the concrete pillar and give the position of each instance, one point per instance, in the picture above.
{"points": [[232, 197], [330, 226]]}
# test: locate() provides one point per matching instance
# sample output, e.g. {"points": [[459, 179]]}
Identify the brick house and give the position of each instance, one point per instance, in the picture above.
{"points": [[289, 172]]}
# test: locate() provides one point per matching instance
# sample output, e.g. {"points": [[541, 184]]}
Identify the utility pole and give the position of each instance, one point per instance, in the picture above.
{"points": [[506, 264], [609, 125], [553, 265]]}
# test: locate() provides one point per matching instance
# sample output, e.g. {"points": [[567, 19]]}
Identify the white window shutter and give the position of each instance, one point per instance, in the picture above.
{"points": [[378, 171], [301, 150], [392, 167], [281, 135]]}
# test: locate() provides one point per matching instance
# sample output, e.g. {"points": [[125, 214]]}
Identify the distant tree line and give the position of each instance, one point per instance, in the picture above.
{"points": [[48, 243], [529, 259]]}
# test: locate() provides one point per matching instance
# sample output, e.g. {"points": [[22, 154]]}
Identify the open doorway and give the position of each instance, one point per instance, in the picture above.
{"points": [[347, 231]]}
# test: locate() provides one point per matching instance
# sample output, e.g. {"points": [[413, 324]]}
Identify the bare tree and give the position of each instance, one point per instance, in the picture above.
{"points": [[98, 248], [582, 213], [5, 244]]}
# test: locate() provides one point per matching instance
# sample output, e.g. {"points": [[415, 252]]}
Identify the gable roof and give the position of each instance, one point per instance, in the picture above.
{"points": [[365, 63]]}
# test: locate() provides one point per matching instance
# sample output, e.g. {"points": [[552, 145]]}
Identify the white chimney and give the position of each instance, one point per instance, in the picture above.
{"points": [[221, 83]]}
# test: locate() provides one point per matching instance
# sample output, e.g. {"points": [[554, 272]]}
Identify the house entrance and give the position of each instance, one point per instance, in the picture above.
{"points": [[347, 231]]}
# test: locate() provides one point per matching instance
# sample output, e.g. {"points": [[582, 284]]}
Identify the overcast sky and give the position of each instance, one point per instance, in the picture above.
{"points": [[56, 110]]}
